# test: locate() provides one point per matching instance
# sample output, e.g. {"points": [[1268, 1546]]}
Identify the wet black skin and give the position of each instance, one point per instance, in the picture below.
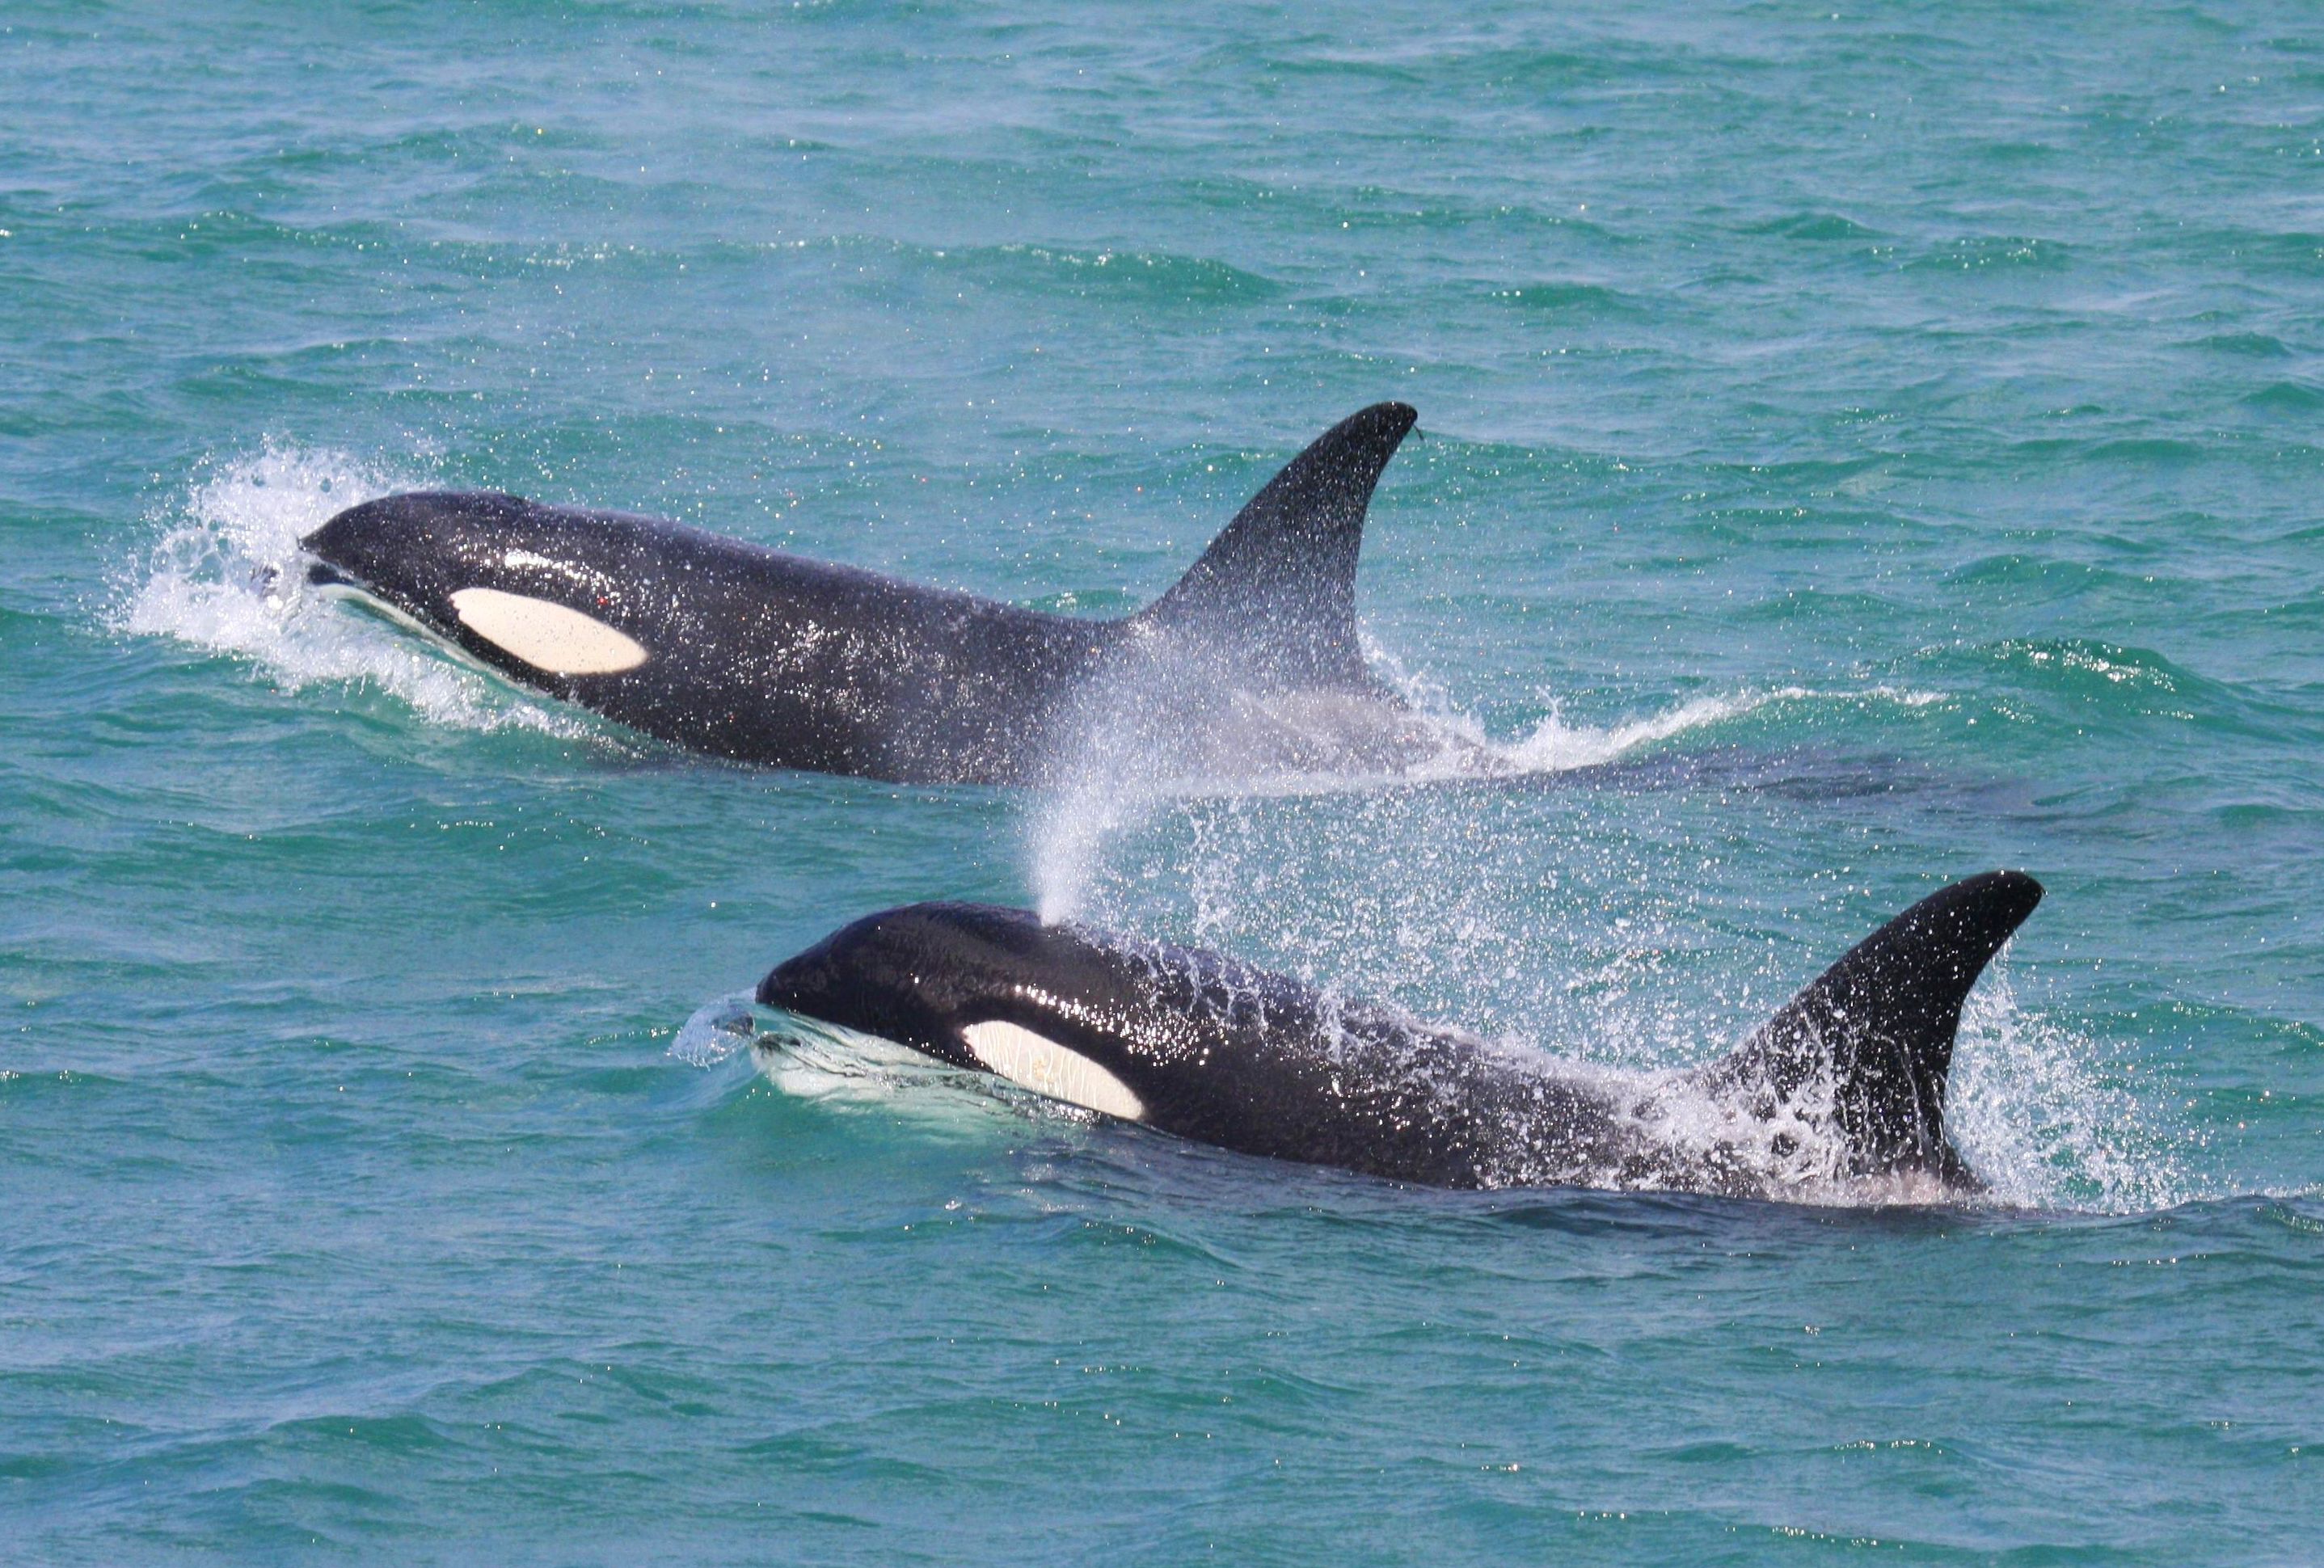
{"points": [[1226, 1054], [761, 656]]}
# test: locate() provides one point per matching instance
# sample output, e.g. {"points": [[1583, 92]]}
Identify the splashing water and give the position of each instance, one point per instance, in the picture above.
{"points": [[1122, 775], [716, 1029], [1560, 923], [2032, 1106], [227, 576]]}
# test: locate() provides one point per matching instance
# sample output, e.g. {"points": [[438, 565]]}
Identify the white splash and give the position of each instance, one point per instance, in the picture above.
{"points": [[227, 576], [716, 1030], [2032, 1106], [809, 1059]]}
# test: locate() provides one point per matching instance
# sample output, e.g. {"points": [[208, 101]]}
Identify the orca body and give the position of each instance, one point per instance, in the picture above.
{"points": [[756, 654], [1845, 1083]]}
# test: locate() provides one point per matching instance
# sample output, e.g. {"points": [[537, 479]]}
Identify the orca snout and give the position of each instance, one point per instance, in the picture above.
{"points": [[386, 547], [819, 982], [348, 549], [522, 587], [413, 547], [908, 975]]}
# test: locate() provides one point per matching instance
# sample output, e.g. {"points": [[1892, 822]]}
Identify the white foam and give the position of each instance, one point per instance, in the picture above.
{"points": [[813, 1060], [847, 1069], [1555, 746], [227, 576], [2034, 1107], [716, 1030], [2030, 1108]]}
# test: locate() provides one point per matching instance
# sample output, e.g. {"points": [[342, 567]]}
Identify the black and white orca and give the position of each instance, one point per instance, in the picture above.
{"points": [[752, 654], [1845, 1084]]}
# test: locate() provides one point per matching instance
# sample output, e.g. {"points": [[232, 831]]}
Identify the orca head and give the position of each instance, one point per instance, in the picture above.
{"points": [[978, 986], [415, 550], [921, 973], [493, 574]]}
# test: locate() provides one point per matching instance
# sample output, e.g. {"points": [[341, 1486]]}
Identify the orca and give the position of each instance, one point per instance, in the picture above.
{"points": [[1843, 1089], [759, 656]]}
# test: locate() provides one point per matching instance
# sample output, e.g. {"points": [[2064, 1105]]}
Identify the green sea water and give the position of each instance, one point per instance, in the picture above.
{"points": [[1859, 447]]}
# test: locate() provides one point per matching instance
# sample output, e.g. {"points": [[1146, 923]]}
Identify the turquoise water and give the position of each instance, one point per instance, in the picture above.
{"points": [[1859, 449]]}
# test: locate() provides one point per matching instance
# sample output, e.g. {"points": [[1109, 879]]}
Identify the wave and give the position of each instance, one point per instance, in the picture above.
{"points": [[1554, 746], [227, 576]]}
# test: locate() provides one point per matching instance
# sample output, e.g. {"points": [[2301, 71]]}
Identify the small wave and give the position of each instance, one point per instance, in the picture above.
{"points": [[2246, 345], [227, 576], [1813, 226], [2091, 671], [1973, 252], [2287, 397], [1585, 299], [1555, 746]]}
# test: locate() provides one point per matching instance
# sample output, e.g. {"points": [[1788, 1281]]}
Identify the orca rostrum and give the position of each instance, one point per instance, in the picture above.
{"points": [[1252, 662], [1845, 1084]]}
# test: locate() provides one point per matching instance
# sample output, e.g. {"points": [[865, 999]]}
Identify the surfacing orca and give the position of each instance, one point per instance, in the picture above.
{"points": [[752, 654], [1846, 1084]]}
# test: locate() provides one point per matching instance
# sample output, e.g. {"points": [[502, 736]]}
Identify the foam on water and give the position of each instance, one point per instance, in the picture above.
{"points": [[227, 576], [846, 1069]]}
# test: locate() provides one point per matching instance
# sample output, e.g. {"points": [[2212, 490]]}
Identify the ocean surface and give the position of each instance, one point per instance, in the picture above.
{"points": [[1859, 447]]}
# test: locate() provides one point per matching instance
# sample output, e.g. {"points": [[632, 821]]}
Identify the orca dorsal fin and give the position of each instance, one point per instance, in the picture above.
{"points": [[1881, 1022], [1279, 583]]}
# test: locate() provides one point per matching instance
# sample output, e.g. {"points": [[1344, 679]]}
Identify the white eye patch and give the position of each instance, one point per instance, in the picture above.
{"points": [[1047, 1067], [548, 636]]}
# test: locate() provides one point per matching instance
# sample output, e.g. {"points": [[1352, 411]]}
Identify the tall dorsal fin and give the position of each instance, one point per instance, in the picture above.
{"points": [[1280, 582], [1881, 1022]]}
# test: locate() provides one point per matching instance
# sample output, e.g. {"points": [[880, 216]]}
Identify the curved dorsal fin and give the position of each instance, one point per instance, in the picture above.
{"points": [[1280, 581], [1881, 1022]]}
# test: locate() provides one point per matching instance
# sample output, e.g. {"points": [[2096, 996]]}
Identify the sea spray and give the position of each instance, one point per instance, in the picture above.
{"points": [[1549, 920], [1130, 752], [227, 576], [2047, 1119], [1170, 716]]}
